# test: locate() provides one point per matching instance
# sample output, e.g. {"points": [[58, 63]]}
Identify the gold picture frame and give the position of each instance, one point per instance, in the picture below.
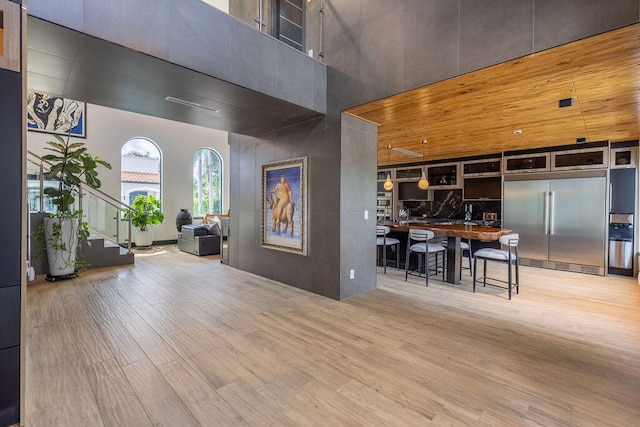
{"points": [[284, 206]]}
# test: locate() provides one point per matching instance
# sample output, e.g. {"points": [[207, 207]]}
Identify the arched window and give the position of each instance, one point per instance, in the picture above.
{"points": [[141, 164], [207, 182]]}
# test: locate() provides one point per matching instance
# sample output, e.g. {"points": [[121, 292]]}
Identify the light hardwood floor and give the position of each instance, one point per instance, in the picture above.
{"points": [[178, 340]]}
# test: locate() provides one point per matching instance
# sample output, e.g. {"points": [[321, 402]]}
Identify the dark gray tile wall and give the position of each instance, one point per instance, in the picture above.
{"points": [[12, 267], [367, 43], [198, 36], [359, 151], [494, 31], [316, 272], [563, 21], [430, 48]]}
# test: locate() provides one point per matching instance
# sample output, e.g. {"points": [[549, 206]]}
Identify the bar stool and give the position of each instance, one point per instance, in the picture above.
{"points": [[384, 241], [423, 247], [509, 256]]}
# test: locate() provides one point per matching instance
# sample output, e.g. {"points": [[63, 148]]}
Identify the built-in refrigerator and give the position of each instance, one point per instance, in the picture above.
{"points": [[561, 218]]}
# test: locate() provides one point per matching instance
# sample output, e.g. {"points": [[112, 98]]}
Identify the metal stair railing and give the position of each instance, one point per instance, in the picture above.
{"points": [[92, 199]]}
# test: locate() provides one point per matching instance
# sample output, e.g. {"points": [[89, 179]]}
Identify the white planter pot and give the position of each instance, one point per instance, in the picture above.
{"points": [[62, 251], [144, 238]]}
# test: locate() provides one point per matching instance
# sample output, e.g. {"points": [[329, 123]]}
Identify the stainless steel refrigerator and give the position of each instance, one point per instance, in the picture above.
{"points": [[561, 219]]}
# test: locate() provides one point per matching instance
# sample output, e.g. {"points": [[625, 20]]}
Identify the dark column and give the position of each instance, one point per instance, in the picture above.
{"points": [[11, 266]]}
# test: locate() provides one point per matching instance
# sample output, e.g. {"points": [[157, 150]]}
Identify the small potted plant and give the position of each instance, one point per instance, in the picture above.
{"points": [[71, 166], [147, 212]]}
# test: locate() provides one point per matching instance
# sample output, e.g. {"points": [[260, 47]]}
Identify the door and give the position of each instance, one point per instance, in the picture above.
{"points": [[623, 190], [577, 220], [525, 213]]}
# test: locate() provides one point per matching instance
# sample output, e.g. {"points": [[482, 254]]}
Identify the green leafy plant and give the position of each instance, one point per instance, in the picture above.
{"points": [[147, 212], [70, 163], [71, 166]]}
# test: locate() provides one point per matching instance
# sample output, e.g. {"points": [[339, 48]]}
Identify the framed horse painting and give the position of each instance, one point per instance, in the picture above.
{"points": [[284, 205]]}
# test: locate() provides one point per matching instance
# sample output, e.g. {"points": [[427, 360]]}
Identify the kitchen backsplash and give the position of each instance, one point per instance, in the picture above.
{"points": [[449, 204]]}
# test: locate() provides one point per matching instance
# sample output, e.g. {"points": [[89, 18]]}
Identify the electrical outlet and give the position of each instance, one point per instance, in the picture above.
{"points": [[366, 214], [352, 274]]}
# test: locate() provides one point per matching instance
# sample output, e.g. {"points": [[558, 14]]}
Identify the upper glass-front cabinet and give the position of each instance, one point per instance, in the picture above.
{"points": [[443, 176], [409, 173], [481, 167]]}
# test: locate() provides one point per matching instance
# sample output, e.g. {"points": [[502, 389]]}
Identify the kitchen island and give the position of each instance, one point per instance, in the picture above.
{"points": [[454, 232]]}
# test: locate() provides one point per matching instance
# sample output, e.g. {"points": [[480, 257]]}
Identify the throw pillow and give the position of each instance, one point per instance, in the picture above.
{"points": [[213, 229]]}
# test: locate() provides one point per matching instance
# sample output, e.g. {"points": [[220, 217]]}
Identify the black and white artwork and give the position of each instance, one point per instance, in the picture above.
{"points": [[54, 114]]}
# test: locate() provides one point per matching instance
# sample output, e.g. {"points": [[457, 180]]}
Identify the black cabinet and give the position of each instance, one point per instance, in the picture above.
{"points": [[10, 386], [623, 190]]}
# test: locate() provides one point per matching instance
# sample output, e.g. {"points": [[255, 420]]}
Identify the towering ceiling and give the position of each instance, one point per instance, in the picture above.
{"points": [[515, 105]]}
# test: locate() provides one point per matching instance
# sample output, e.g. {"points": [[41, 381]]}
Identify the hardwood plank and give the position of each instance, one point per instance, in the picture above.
{"points": [[253, 407], [117, 402], [383, 407], [123, 346], [61, 395], [156, 319], [86, 337], [199, 396], [156, 349], [203, 362], [160, 401]]}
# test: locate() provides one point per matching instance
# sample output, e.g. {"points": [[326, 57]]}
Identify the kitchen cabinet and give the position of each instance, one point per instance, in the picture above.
{"points": [[481, 167], [561, 219], [579, 159], [622, 191], [623, 157], [443, 176], [538, 162], [482, 188]]}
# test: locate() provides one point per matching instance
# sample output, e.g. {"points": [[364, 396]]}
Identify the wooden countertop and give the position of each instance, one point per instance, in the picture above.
{"points": [[475, 232]]}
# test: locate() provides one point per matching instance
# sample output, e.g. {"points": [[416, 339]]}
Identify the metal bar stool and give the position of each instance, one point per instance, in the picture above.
{"points": [[418, 242], [509, 256], [384, 241]]}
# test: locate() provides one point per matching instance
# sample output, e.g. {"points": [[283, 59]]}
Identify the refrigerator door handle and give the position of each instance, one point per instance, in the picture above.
{"points": [[552, 195], [610, 197], [545, 211]]}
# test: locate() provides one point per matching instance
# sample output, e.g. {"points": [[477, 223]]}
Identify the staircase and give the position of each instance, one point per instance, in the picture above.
{"points": [[96, 251], [104, 214]]}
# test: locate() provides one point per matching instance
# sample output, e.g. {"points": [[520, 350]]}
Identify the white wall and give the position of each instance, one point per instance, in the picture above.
{"points": [[223, 5], [108, 129]]}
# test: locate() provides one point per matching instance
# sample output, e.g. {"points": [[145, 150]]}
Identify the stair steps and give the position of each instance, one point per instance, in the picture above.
{"points": [[98, 252]]}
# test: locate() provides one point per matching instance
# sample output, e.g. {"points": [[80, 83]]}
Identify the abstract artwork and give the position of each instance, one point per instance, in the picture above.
{"points": [[54, 114], [284, 205]]}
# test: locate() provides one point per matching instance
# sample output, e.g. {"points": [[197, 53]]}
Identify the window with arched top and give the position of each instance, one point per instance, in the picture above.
{"points": [[141, 167], [207, 182]]}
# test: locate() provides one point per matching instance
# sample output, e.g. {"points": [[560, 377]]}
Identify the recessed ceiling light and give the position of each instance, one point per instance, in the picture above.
{"points": [[191, 104], [517, 132]]}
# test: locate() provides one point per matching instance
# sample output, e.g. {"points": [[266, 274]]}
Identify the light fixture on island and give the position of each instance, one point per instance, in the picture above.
{"points": [[388, 184], [423, 184]]}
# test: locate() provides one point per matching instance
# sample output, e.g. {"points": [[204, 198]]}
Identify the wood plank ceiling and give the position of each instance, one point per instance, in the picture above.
{"points": [[478, 113]]}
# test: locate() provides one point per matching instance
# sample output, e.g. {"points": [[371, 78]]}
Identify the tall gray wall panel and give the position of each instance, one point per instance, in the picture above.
{"points": [[358, 160], [11, 265], [317, 272], [441, 39], [195, 35]]}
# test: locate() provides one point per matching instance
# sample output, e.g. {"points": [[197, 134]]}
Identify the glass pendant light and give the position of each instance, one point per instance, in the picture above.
{"points": [[388, 184], [423, 184]]}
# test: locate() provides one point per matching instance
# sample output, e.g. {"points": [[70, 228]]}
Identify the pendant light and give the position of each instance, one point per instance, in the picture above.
{"points": [[423, 184], [388, 184]]}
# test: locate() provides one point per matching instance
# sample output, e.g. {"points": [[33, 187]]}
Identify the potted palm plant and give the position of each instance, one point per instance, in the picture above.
{"points": [[146, 212], [70, 166]]}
